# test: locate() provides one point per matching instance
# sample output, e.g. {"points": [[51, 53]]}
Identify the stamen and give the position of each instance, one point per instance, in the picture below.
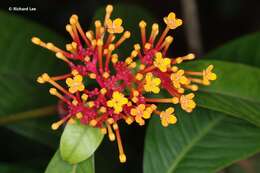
{"points": [[128, 119], [103, 130], [93, 122], [92, 76], [111, 135], [125, 36], [179, 60], [199, 81], [122, 156], [173, 100], [71, 121], [165, 32], [148, 69], [79, 115], [53, 91], [109, 9], [100, 46], [56, 125], [132, 56], [94, 43], [38, 41], [154, 33], [192, 87], [81, 30], [84, 97], [73, 22], [110, 38], [147, 46], [49, 46], [62, 57], [114, 58], [168, 41], [70, 48], [70, 31], [111, 47], [98, 29], [142, 26], [110, 120], [106, 75], [194, 73], [61, 77], [47, 78], [90, 35]]}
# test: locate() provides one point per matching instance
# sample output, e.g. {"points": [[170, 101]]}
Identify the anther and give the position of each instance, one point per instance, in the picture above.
{"points": [[93, 122], [84, 97], [36, 40], [79, 115], [56, 125]]}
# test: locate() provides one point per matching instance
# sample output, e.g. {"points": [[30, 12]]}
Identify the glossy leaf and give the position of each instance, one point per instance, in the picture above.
{"points": [[21, 63], [236, 91], [79, 142], [203, 142], [57, 164], [244, 50]]}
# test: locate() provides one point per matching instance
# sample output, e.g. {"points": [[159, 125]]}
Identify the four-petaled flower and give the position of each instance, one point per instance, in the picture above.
{"points": [[75, 84], [140, 112], [208, 75], [178, 78], [187, 103], [161, 63], [114, 27], [167, 117], [117, 102], [152, 83], [171, 21]]}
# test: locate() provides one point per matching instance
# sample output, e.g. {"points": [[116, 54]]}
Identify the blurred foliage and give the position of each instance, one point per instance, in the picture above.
{"points": [[207, 141]]}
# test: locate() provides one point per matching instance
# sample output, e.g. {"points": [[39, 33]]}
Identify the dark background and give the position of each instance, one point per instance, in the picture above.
{"points": [[220, 21]]}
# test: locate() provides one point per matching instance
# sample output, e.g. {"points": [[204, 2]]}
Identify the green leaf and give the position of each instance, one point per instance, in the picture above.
{"points": [[236, 91], [11, 168], [21, 63], [131, 15], [244, 50], [79, 142], [58, 165], [203, 142]]}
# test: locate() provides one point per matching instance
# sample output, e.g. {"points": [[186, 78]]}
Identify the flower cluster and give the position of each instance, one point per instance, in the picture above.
{"points": [[126, 86]]}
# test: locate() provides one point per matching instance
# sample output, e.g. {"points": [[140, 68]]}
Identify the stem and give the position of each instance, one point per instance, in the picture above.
{"points": [[190, 12], [39, 112]]}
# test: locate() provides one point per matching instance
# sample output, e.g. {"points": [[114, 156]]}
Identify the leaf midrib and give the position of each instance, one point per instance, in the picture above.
{"points": [[230, 95], [75, 146], [188, 147]]}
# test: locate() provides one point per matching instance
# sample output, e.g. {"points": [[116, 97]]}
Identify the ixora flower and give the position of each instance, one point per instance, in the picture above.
{"points": [[126, 89]]}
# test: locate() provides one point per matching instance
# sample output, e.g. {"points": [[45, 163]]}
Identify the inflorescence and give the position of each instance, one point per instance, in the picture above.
{"points": [[126, 86]]}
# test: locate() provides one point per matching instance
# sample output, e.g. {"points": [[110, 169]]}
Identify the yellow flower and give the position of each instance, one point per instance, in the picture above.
{"points": [[167, 117], [208, 75], [152, 83], [141, 112], [117, 102], [161, 63], [187, 103], [114, 26], [75, 84], [171, 21], [178, 78]]}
